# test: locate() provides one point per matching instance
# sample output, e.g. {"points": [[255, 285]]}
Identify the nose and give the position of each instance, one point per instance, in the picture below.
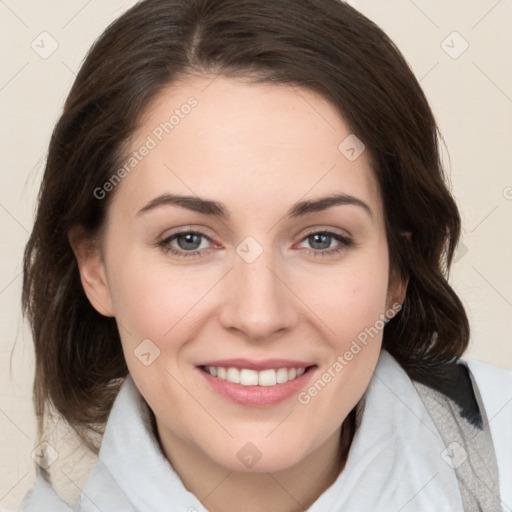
{"points": [[259, 304]]}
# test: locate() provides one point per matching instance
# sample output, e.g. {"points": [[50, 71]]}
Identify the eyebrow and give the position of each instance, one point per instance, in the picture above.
{"points": [[209, 207]]}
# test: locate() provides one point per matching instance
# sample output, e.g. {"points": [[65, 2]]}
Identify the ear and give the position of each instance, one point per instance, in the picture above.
{"points": [[397, 289], [92, 270]]}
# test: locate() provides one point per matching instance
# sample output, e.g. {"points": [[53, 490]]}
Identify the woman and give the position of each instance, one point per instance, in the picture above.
{"points": [[238, 273]]}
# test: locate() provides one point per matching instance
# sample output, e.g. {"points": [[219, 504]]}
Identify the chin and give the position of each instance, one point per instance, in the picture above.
{"points": [[261, 455]]}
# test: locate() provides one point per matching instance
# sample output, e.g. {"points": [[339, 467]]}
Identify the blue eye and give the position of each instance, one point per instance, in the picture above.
{"points": [[188, 244], [321, 241]]}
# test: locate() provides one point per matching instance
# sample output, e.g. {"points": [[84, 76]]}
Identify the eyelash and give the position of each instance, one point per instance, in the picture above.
{"points": [[344, 244]]}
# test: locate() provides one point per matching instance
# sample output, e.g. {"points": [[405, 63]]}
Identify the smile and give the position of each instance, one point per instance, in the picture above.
{"points": [[248, 377], [256, 383]]}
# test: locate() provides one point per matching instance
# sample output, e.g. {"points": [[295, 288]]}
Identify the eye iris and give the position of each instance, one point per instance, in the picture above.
{"points": [[323, 239], [192, 241]]}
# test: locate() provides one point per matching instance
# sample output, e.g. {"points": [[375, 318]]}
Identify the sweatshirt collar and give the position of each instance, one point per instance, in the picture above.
{"points": [[394, 463]]}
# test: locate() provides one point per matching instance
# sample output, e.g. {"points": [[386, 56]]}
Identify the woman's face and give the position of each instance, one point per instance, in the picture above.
{"points": [[254, 276]]}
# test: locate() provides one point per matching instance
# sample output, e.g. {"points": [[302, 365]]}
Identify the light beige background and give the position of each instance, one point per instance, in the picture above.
{"points": [[470, 93]]}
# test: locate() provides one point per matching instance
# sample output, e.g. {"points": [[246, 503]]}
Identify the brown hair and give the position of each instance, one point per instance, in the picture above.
{"points": [[323, 45]]}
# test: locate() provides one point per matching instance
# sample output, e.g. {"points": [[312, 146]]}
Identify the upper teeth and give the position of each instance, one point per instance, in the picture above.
{"points": [[252, 377]]}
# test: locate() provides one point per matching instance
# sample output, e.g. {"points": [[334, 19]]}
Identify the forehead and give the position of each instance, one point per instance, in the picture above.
{"points": [[250, 144]]}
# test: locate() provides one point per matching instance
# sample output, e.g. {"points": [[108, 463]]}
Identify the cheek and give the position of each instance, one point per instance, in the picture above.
{"points": [[353, 308], [353, 304], [156, 301], [152, 302], [350, 299]]}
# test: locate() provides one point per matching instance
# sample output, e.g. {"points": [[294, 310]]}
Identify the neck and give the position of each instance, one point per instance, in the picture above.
{"points": [[290, 490]]}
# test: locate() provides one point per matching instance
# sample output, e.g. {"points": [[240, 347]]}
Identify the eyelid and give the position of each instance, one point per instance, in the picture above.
{"points": [[325, 229], [165, 244], [203, 230], [344, 242]]}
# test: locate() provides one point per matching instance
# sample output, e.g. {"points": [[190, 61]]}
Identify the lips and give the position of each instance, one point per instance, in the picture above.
{"points": [[256, 383]]}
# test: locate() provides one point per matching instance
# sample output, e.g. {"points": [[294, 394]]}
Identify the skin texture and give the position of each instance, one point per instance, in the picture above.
{"points": [[258, 149]]}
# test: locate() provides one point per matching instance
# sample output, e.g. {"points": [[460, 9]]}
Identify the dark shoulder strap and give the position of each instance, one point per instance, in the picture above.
{"points": [[457, 386]]}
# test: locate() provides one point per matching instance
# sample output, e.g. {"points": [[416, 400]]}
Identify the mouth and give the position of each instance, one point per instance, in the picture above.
{"points": [[248, 377], [257, 384]]}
